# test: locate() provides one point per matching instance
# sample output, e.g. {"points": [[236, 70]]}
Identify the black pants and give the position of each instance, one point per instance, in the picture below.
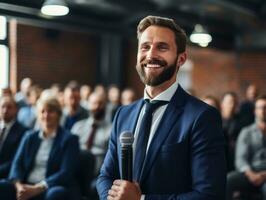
{"points": [[237, 181]]}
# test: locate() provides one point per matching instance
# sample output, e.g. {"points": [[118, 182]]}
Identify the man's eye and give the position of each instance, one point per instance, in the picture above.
{"points": [[163, 47], [145, 47]]}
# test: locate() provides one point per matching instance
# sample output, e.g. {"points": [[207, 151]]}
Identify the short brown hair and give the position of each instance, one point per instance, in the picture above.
{"points": [[180, 35], [261, 97]]}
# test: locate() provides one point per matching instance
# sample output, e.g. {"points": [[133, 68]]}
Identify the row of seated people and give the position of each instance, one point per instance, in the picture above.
{"points": [[73, 99], [246, 146], [51, 162], [248, 180]]}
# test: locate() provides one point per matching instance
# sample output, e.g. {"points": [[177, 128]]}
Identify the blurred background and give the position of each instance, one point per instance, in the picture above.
{"points": [[95, 43]]}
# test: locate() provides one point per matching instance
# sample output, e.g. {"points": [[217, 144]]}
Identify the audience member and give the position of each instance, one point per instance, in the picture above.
{"points": [[6, 92], [27, 114], [250, 158], [231, 125], [113, 102], [72, 111], [11, 132], [21, 96], [246, 109], [85, 92], [93, 135], [46, 162], [100, 89], [128, 96], [94, 131]]}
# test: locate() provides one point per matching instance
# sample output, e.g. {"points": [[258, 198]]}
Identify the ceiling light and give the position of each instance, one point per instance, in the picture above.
{"points": [[200, 36], [55, 8]]}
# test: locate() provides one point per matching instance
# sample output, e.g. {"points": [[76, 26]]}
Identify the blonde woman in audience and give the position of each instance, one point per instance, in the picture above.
{"points": [[46, 162]]}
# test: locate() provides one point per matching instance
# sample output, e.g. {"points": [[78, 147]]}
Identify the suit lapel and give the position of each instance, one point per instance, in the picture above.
{"points": [[55, 147], [10, 139], [36, 141], [170, 117], [129, 126], [135, 115]]}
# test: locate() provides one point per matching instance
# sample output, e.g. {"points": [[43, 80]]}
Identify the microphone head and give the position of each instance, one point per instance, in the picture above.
{"points": [[126, 138]]}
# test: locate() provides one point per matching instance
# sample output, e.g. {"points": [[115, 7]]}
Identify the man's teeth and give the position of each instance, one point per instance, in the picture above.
{"points": [[153, 65]]}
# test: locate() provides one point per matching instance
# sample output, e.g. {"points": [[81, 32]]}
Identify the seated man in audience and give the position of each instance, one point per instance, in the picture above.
{"points": [[113, 102], [246, 108], [72, 111], [21, 96], [250, 156], [11, 132], [27, 114], [46, 162], [94, 131]]}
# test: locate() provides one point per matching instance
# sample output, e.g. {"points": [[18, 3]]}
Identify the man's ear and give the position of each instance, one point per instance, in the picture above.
{"points": [[182, 57]]}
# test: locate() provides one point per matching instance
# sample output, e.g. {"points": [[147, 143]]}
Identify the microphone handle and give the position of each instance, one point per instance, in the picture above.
{"points": [[126, 159]]}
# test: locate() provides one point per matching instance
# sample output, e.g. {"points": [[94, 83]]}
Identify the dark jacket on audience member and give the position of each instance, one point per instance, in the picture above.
{"points": [[9, 148], [62, 163]]}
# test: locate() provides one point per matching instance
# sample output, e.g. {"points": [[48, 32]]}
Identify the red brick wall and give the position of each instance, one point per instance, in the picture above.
{"points": [[73, 55], [47, 60], [216, 72]]}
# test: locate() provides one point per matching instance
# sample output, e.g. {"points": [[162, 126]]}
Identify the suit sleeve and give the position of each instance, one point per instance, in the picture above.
{"points": [[208, 165], [17, 171], [68, 169], [110, 168], [243, 151]]}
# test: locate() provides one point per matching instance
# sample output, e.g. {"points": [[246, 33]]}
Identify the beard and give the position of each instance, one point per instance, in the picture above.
{"points": [[155, 80], [99, 114]]}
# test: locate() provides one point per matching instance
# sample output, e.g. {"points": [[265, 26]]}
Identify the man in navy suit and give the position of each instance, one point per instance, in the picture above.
{"points": [[11, 132], [185, 153]]}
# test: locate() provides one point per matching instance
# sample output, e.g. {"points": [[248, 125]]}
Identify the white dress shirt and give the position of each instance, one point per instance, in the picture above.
{"points": [[156, 118], [38, 172]]}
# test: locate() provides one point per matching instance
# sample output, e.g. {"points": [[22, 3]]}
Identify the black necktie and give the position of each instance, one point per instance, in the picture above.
{"points": [[2, 133], [143, 136]]}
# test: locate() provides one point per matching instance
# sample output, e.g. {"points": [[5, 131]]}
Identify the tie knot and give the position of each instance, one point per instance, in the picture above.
{"points": [[152, 106], [94, 125]]}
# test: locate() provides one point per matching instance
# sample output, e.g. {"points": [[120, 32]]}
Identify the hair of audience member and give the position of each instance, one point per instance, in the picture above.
{"points": [[73, 85], [261, 97], [51, 103]]}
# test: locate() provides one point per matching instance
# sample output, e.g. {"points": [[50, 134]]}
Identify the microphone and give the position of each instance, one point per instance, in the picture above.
{"points": [[126, 140]]}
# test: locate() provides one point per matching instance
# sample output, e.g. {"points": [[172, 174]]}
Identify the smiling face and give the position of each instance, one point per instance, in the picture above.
{"points": [[157, 60], [49, 113]]}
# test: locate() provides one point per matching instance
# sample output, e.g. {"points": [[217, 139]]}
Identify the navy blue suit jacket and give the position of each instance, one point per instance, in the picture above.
{"points": [[186, 158], [9, 148], [62, 163]]}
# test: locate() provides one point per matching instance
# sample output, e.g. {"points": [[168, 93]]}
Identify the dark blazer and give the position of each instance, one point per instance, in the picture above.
{"points": [[9, 148], [186, 158], [62, 163]]}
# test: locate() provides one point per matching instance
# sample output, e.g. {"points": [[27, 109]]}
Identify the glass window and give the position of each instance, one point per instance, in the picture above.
{"points": [[2, 28], [3, 66]]}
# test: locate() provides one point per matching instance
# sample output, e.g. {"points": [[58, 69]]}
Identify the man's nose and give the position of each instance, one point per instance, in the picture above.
{"points": [[152, 53]]}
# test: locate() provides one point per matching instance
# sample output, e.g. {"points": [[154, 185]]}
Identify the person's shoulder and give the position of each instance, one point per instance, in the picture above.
{"points": [[249, 130], [80, 123], [30, 135], [198, 106]]}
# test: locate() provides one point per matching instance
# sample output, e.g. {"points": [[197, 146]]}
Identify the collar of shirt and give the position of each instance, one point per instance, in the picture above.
{"points": [[7, 125], [41, 135], [165, 95], [91, 121]]}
